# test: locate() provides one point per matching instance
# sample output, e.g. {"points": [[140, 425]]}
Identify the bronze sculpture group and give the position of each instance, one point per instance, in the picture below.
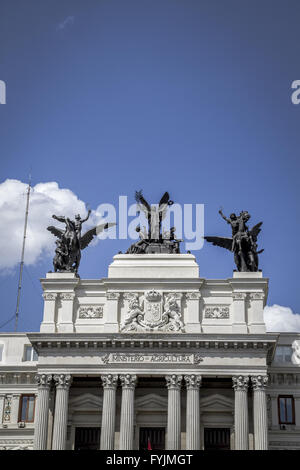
{"points": [[243, 242], [70, 242], [154, 240]]}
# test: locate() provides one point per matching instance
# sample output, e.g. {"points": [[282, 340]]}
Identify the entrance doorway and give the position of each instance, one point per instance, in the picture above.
{"points": [[216, 438], [87, 438], [152, 437]]}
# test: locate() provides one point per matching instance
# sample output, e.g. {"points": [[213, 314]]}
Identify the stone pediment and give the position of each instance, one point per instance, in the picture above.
{"points": [[151, 402], [216, 403], [85, 402]]}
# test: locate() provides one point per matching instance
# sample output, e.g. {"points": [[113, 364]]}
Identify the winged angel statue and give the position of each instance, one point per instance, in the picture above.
{"points": [[243, 242], [70, 242], [153, 240]]}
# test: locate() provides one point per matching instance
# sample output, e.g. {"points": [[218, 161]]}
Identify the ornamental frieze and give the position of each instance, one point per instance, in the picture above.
{"points": [[153, 311], [216, 311], [90, 311]]}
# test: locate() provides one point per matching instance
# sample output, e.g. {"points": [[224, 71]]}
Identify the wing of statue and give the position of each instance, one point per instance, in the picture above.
{"points": [[163, 205], [55, 231], [90, 234], [220, 241], [255, 231], [142, 203]]}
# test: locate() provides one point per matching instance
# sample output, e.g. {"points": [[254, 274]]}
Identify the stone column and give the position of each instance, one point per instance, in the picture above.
{"points": [[193, 383], [66, 320], [193, 322], [42, 411], [255, 313], [48, 323], [239, 312], [111, 312], [15, 406], [62, 383], [241, 421], [174, 412], [108, 411], [259, 384], [128, 383]]}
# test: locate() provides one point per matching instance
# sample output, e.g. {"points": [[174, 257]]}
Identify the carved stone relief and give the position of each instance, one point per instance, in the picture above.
{"points": [[216, 311], [153, 311], [91, 311]]}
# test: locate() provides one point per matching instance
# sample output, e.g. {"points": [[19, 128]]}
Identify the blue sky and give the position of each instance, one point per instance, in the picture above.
{"points": [[108, 96]]}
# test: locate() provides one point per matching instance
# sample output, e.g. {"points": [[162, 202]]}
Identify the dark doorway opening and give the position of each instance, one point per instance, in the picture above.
{"points": [[216, 438], [152, 437], [87, 438]]}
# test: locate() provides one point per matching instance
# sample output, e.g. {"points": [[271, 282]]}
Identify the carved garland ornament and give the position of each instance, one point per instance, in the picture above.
{"points": [[153, 312], [216, 312], [90, 311]]}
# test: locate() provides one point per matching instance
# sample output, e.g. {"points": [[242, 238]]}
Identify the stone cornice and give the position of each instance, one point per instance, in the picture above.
{"points": [[153, 341]]}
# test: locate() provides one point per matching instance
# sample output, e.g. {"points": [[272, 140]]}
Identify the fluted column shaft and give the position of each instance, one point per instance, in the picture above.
{"points": [[174, 412], [128, 383], [241, 420], [108, 412], [63, 383], [42, 411], [260, 417], [193, 383]]}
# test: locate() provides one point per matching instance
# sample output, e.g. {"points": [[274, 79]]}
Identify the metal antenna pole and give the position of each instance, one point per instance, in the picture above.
{"points": [[22, 255]]}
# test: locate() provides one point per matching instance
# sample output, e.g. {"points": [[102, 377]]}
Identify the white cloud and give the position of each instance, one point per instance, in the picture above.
{"points": [[281, 319], [66, 22], [46, 199]]}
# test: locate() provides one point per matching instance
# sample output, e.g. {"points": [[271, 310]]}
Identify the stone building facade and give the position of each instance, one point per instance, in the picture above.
{"points": [[153, 356]]}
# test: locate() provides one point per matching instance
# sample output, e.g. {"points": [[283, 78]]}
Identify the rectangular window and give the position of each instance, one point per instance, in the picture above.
{"points": [[27, 406], [283, 354], [286, 409], [30, 354]]}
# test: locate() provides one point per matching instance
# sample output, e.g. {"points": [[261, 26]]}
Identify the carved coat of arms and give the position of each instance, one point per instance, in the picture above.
{"points": [[153, 311]]}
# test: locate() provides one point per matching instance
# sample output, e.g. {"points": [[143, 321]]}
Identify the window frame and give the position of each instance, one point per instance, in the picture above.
{"points": [[26, 347], [281, 358], [293, 409], [26, 420]]}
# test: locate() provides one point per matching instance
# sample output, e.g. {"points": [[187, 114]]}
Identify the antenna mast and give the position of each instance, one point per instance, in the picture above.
{"points": [[22, 255]]}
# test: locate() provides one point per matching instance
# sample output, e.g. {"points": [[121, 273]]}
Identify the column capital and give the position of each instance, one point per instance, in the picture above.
{"points": [[113, 295], [128, 381], [259, 382], [43, 380], [257, 296], [239, 295], [193, 295], [193, 382], [62, 380], [109, 381], [49, 295], [67, 295], [174, 382], [240, 383]]}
